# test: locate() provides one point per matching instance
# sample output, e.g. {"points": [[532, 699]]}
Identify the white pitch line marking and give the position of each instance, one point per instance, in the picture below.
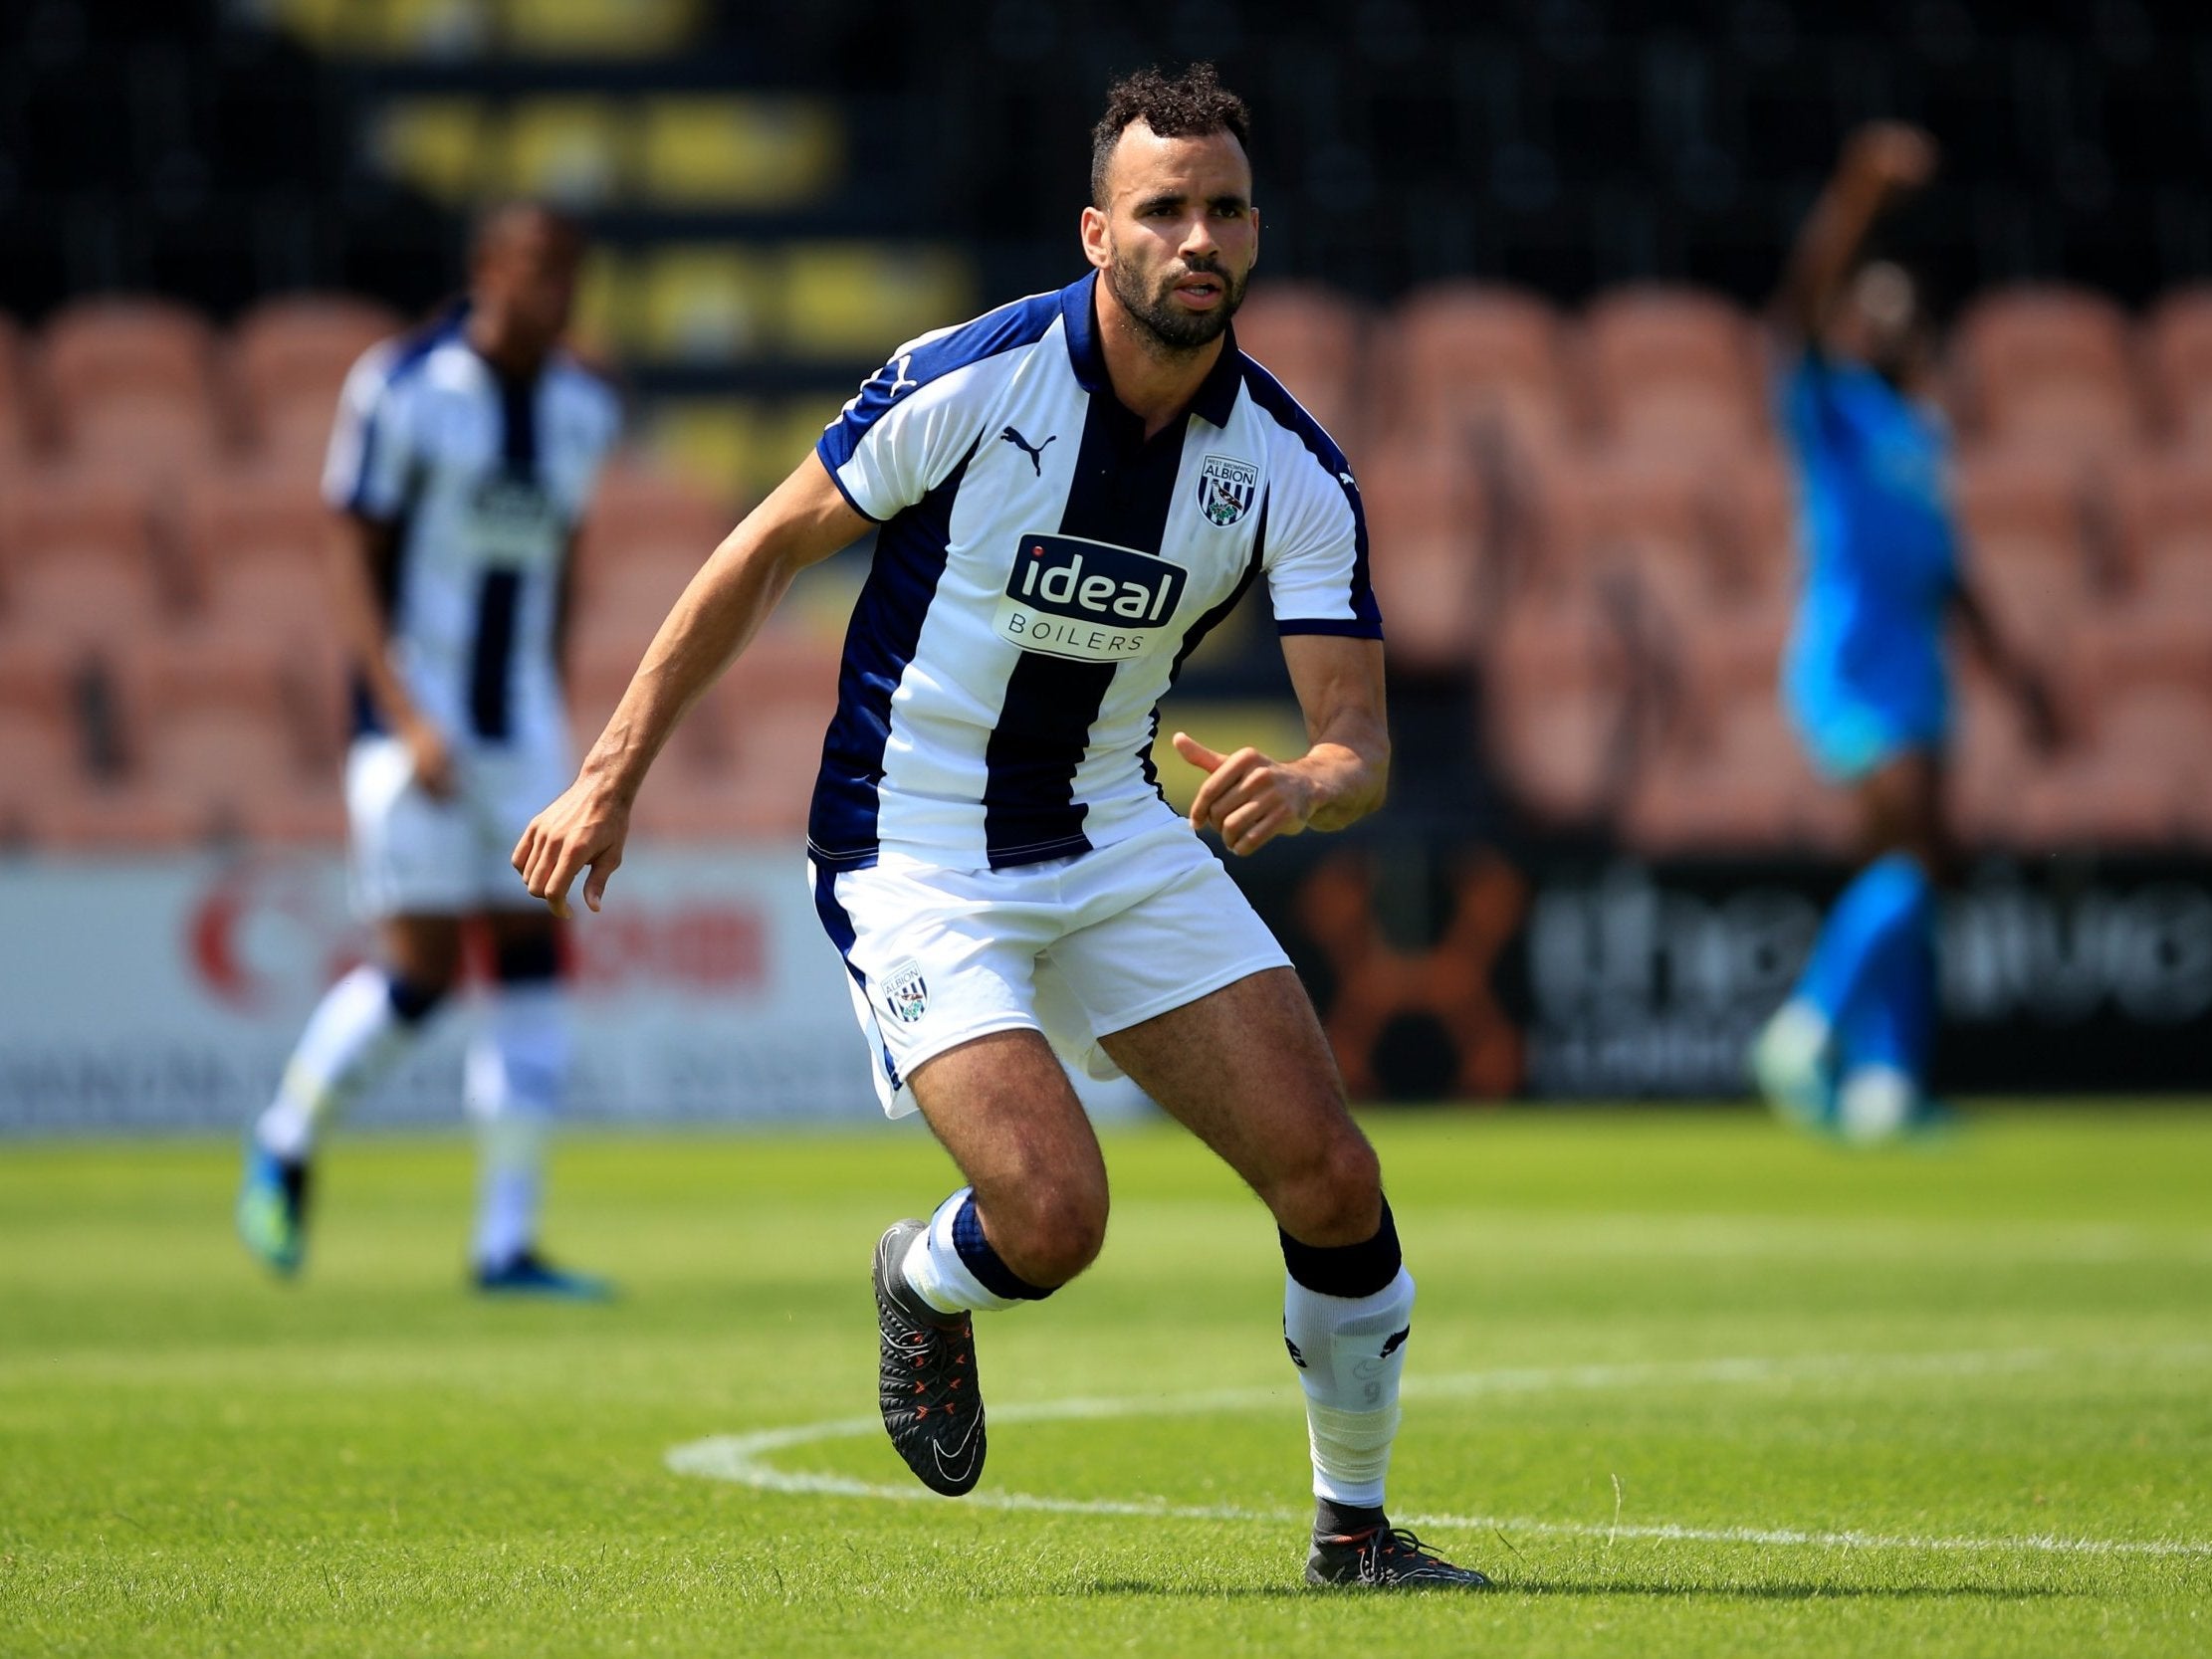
{"points": [[742, 1458]]}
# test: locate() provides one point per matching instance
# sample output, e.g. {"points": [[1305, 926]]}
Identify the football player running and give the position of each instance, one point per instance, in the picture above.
{"points": [[1068, 494]]}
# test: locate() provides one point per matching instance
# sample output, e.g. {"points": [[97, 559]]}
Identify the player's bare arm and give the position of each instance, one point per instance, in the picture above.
{"points": [[1249, 799], [1881, 162], [364, 552], [2021, 675], [801, 523]]}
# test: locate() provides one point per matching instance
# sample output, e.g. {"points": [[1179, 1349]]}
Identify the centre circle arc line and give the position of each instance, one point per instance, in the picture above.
{"points": [[742, 1459]]}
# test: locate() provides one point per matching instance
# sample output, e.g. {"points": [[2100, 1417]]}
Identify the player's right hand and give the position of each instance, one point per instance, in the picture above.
{"points": [[432, 757], [1896, 154], [585, 829]]}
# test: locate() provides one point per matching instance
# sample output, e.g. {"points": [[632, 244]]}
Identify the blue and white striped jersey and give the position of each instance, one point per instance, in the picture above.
{"points": [[484, 479], [1042, 572]]}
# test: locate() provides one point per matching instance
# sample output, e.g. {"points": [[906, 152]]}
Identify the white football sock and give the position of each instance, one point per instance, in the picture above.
{"points": [[352, 1040], [517, 1068], [940, 1275], [1350, 1353], [1876, 1103]]}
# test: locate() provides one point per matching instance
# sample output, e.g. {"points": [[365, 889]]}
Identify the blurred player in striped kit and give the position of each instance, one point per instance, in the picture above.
{"points": [[1864, 679], [463, 458]]}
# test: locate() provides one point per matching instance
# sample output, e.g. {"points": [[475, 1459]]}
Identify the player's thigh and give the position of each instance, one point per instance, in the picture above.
{"points": [[936, 958], [422, 950], [1246, 1069], [1160, 926], [413, 853], [1902, 808], [1005, 1112]]}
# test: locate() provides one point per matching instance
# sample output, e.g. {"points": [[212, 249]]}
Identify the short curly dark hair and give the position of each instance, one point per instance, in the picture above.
{"points": [[1185, 105]]}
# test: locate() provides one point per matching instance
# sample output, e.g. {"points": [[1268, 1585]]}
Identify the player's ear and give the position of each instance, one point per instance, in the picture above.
{"points": [[1095, 243]]}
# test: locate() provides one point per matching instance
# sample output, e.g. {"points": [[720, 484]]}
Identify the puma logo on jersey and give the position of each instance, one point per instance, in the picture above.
{"points": [[1035, 452]]}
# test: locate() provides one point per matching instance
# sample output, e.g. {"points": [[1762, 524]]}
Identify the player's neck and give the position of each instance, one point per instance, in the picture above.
{"points": [[492, 339], [1152, 380]]}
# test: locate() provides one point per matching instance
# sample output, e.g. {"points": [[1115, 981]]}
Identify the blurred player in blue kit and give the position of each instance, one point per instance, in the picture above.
{"points": [[462, 460], [1864, 679]]}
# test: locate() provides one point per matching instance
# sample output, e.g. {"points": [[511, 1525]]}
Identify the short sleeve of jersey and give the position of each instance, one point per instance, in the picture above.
{"points": [[896, 442], [1316, 550], [371, 451], [908, 426]]}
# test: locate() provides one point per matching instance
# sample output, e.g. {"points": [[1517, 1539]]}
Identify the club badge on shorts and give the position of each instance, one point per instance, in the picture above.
{"points": [[1225, 488], [905, 993]]}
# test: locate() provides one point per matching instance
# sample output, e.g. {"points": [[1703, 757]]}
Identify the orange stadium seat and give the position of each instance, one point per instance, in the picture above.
{"points": [[2178, 348], [646, 536], [1460, 360], [288, 358], [257, 549], [131, 388], [743, 762], [2159, 625], [1433, 556], [1313, 341], [2025, 524], [1675, 369], [1992, 763], [1738, 780], [42, 743], [2138, 776], [1557, 699], [77, 563], [231, 737], [2051, 366]]}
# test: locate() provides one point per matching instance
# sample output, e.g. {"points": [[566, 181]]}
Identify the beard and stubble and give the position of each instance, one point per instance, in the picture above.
{"points": [[1175, 331]]}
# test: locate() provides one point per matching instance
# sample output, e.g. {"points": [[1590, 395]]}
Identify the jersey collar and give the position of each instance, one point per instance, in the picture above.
{"points": [[1216, 401]]}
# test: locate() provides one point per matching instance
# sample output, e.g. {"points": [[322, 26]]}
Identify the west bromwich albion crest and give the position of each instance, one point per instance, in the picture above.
{"points": [[906, 992], [1225, 488]]}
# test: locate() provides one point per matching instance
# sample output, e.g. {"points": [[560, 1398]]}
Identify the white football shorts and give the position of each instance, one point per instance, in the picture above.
{"points": [[416, 855], [1076, 948]]}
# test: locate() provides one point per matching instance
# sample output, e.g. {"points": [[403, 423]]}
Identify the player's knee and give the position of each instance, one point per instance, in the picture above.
{"points": [[1053, 1228], [415, 998], [1334, 1192]]}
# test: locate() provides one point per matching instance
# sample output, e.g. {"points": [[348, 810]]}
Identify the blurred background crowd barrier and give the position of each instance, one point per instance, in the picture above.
{"points": [[1515, 259]]}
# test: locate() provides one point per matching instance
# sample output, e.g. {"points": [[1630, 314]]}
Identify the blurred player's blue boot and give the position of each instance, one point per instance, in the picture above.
{"points": [[273, 1210], [529, 1273], [1792, 1060]]}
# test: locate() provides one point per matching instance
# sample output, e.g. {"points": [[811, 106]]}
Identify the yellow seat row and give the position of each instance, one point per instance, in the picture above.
{"points": [[727, 302], [469, 27], [676, 150]]}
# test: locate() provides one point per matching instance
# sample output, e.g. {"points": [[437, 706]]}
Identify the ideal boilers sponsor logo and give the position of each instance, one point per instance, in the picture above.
{"points": [[1089, 600]]}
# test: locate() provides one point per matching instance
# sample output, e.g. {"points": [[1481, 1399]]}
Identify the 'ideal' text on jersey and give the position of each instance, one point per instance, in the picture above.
{"points": [[1041, 572]]}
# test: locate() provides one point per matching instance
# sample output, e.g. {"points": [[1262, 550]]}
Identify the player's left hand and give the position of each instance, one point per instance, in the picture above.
{"points": [[1246, 798], [584, 828]]}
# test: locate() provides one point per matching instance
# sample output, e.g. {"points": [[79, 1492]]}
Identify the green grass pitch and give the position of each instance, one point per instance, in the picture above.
{"points": [[1685, 1385]]}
